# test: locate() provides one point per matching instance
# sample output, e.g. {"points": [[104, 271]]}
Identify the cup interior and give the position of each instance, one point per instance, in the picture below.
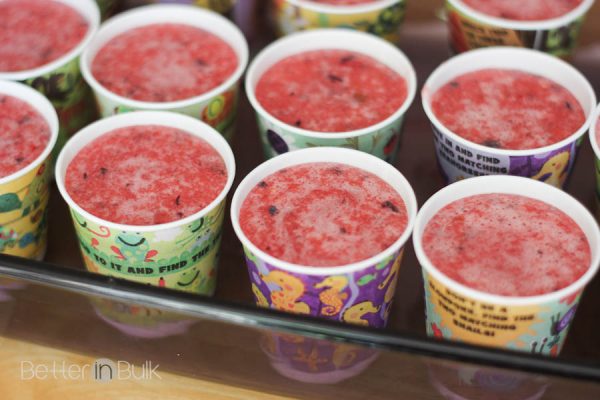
{"points": [[162, 14], [353, 158], [517, 186], [41, 105], [99, 128]]}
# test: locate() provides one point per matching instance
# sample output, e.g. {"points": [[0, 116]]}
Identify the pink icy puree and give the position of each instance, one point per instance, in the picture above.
{"points": [[331, 91], [145, 175], [508, 109], [36, 32], [524, 10], [343, 2], [164, 62], [24, 134], [507, 245], [323, 214]]}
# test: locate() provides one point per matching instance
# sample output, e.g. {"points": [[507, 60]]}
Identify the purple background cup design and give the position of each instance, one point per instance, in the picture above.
{"points": [[360, 293], [459, 158]]}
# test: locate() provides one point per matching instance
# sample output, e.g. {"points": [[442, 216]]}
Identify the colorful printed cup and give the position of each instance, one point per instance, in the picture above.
{"points": [[107, 7], [381, 139], [61, 81], [181, 255], [470, 29], [217, 107], [24, 194], [140, 321], [535, 324], [378, 17], [594, 141], [314, 360], [459, 158], [220, 6], [359, 293]]}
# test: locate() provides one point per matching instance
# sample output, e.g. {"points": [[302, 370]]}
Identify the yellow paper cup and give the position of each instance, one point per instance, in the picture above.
{"points": [[24, 194], [217, 107], [382, 18], [180, 255], [535, 324], [470, 29]]}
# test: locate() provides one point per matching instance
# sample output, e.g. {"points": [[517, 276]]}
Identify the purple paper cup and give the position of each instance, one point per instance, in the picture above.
{"points": [[359, 293], [470, 29], [460, 158]]}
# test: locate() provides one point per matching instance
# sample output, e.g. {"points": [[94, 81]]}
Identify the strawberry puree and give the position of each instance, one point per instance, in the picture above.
{"points": [[524, 10], [323, 214], [507, 245], [164, 62], [36, 32], [24, 134], [145, 175], [331, 91], [508, 109]]}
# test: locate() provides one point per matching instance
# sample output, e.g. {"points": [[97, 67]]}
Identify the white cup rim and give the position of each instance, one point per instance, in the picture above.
{"points": [[289, 40], [522, 185], [45, 109], [164, 118], [92, 16], [593, 124], [194, 14], [344, 9], [426, 95], [324, 155], [524, 25]]}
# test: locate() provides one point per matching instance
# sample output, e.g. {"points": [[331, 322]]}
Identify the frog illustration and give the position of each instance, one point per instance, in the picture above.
{"points": [[133, 247]]}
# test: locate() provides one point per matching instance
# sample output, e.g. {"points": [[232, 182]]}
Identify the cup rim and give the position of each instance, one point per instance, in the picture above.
{"points": [[490, 182], [289, 40], [592, 132], [344, 9], [92, 16], [324, 155], [545, 24], [427, 94], [136, 118], [45, 109], [194, 14]]}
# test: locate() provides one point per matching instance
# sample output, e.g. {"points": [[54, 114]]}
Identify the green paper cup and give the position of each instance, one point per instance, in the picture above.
{"points": [[217, 107], [382, 139], [24, 194], [181, 255], [61, 81], [379, 17], [460, 158], [470, 29], [534, 324]]}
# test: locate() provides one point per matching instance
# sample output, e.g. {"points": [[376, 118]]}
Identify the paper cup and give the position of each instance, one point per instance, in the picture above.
{"points": [[181, 255], [61, 82], [107, 7], [359, 293], [459, 158], [535, 324], [594, 141], [379, 17], [220, 6], [381, 139], [24, 194], [217, 107], [470, 29], [314, 360]]}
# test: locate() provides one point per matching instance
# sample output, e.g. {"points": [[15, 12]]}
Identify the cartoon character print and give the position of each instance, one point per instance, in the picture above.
{"points": [[220, 112], [132, 247], [355, 314], [333, 296], [290, 289], [554, 171]]}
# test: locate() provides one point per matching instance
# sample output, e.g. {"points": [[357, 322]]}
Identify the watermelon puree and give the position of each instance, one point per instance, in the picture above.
{"points": [[507, 245], [323, 214], [36, 32], [164, 62], [507, 109], [145, 175], [24, 134], [331, 91], [524, 10]]}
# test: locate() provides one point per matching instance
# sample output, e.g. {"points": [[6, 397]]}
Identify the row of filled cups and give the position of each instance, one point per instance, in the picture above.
{"points": [[323, 229], [500, 110]]}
